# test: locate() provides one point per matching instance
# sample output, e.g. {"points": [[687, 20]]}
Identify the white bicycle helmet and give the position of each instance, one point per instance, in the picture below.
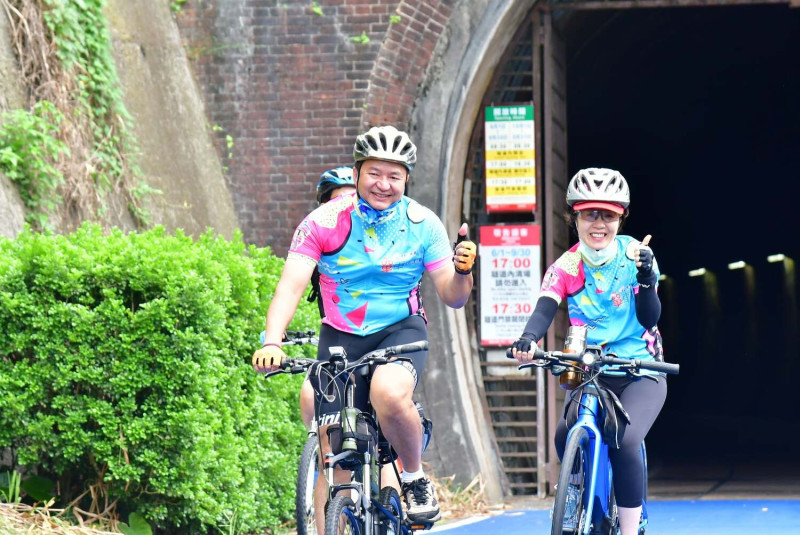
{"points": [[386, 143], [596, 187]]}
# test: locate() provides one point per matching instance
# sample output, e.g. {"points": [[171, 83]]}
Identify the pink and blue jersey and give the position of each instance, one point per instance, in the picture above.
{"points": [[370, 267], [603, 299]]}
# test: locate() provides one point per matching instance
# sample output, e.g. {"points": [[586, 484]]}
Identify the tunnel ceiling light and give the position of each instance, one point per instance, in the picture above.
{"points": [[699, 272], [776, 258], [739, 264]]}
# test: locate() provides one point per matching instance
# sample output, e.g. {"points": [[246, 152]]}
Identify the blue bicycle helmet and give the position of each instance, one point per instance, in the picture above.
{"points": [[332, 179]]}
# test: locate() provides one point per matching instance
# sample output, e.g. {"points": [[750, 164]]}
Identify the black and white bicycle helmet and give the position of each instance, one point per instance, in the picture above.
{"points": [[332, 179], [598, 188], [386, 143]]}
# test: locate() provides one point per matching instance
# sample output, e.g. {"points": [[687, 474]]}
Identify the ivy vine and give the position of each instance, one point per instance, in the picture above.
{"points": [[86, 149]]}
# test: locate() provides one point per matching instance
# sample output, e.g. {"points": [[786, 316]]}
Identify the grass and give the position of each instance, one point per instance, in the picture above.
{"points": [[455, 501], [19, 518]]}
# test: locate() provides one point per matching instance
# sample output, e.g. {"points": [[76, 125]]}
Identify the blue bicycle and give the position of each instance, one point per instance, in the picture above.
{"points": [[586, 478]]}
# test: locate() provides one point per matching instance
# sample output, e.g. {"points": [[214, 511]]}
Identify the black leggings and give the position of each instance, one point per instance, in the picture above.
{"points": [[411, 329], [643, 400]]}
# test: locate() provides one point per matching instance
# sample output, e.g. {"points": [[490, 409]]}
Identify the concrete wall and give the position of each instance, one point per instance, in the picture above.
{"points": [[12, 209], [169, 120]]}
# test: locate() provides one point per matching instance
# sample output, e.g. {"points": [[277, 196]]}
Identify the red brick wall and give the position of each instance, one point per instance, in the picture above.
{"points": [[292, 91]]}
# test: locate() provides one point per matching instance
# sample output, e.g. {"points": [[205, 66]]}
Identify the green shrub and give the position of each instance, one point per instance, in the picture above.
{"points": [[125, 369]]}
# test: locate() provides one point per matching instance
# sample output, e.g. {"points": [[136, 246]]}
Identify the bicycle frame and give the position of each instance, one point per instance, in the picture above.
{"points": [[366, 474], [367, 507], [600, 476], [598, 486]]}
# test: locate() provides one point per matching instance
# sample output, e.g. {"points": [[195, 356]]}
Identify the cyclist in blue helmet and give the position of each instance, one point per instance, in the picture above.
{"points": [[332, 183], [335, 182]]}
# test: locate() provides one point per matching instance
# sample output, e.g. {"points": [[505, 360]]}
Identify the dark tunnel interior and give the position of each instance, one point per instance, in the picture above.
{"points": [[699, 108]]}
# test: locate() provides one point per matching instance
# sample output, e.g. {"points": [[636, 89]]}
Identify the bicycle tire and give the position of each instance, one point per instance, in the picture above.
{"points": [[574, 466], [307, 473], [611, 516], [341, 517], [390, 500]]}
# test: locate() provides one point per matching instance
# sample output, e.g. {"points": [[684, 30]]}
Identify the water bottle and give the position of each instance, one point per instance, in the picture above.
{"points": [[349, 421], [574, 344]]}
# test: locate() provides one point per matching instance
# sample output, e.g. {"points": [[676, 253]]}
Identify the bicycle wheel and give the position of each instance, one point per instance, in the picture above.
{"points": [[341, 517], [307, 473], [569, 518], [611, 517], [390, 501]]}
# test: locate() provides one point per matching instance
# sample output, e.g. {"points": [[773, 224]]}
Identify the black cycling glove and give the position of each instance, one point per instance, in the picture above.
{"points": [[525, 343], [644, 273]]}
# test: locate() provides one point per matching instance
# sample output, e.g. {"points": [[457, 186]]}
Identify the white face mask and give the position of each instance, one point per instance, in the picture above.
{"points": [[598, 258]]}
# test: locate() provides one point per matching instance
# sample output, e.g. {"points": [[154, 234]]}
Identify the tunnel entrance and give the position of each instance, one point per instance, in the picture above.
{"points": [[699, 109]]}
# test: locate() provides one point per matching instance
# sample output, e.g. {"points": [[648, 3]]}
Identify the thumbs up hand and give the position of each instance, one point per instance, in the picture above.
{"points": [[644, 261], [464, 252]]}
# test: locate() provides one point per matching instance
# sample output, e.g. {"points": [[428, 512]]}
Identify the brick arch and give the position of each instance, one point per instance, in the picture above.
{"points": [[292, 89], [401, 64]]}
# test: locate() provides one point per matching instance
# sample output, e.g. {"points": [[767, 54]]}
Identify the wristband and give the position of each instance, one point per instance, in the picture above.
{"points": [[461, 271], [271, 344]]}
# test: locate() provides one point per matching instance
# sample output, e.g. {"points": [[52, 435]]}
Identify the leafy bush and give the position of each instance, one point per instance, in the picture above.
{"points": [[125, 374], [29, 148]]}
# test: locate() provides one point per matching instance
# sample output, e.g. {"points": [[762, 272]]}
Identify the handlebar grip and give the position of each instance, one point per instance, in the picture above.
{"points": [[538, 353], [412, 347], [666, 367], [656, 366]]}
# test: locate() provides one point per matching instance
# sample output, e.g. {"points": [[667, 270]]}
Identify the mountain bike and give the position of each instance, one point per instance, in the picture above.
{"points": [[307, 467], [586, 476], [361, 506]]}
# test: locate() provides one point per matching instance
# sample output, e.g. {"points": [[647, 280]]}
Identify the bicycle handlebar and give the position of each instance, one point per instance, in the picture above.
{"points": [[593, 359], [294, 338], [379, 356]]}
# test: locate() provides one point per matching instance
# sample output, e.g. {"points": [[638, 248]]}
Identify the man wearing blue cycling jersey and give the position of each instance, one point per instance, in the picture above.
{"points": [[609, 282], [371, 250]]}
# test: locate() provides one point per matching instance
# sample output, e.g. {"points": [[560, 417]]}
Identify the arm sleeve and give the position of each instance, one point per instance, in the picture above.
{"points": [[542, 317], [648, 305]]}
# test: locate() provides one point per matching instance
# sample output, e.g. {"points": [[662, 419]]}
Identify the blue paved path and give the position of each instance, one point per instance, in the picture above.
{"points": [[683, 517]]}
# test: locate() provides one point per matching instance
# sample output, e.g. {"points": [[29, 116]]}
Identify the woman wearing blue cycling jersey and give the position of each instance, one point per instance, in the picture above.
{"points": [[609, 282]]}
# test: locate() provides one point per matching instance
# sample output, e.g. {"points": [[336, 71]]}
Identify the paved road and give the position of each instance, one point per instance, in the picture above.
{"points": [[755, 496], [675, 517]]}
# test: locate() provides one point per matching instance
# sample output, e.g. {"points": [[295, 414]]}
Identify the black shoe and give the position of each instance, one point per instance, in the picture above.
{"points": [[421, 502]]}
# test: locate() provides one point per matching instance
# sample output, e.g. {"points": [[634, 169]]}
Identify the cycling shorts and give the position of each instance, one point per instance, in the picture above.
{"points": [[327, 407]]}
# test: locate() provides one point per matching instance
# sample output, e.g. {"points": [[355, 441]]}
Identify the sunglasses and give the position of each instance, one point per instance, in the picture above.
{"points": [[594, 215]]}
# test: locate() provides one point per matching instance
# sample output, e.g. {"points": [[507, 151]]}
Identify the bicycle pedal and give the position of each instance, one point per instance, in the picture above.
{"points": [[418, 526]]}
